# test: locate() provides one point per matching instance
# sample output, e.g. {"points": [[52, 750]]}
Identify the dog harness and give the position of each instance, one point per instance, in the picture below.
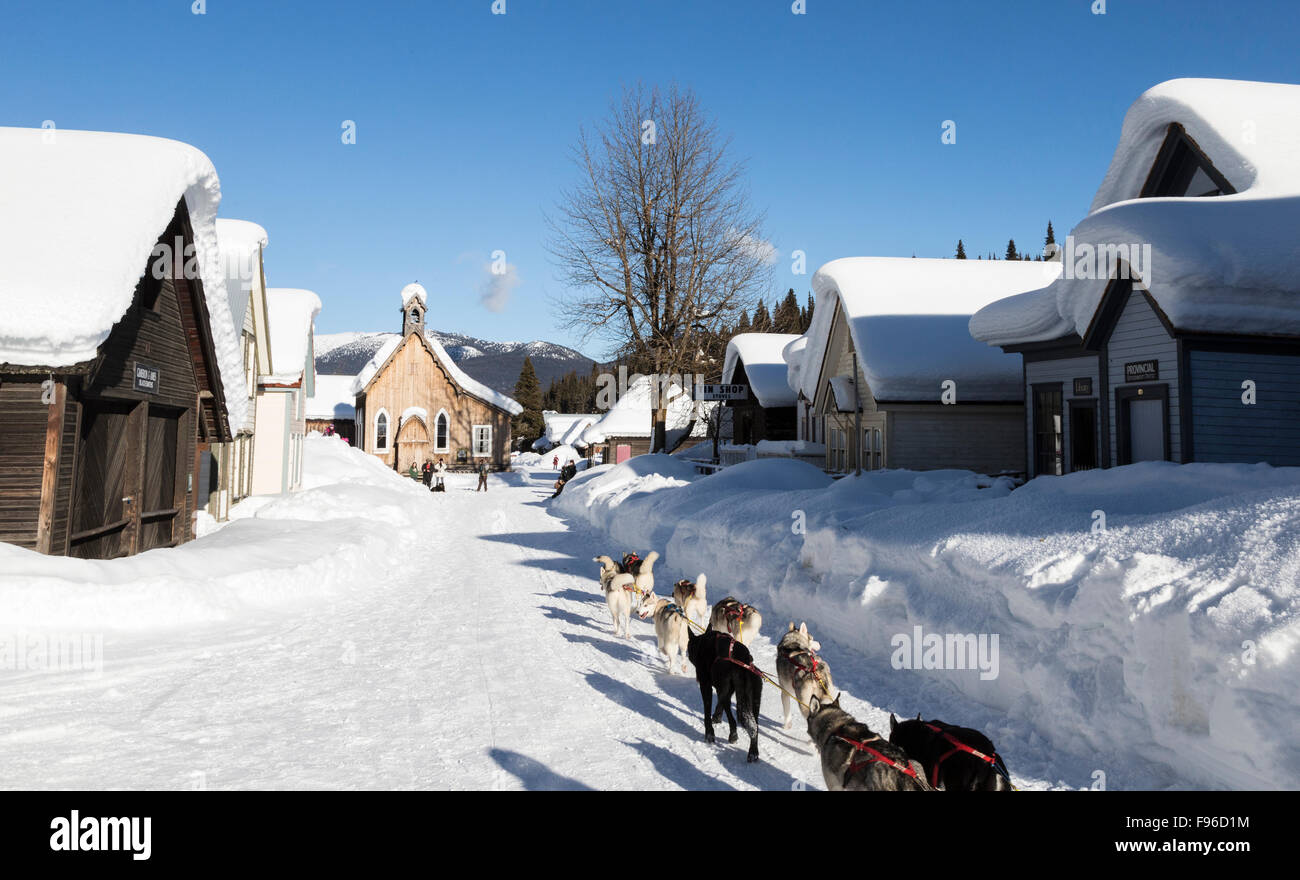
{"points": [[875, 757], [814, 669], [959, 746], [629, 560], [687, 587], [731, 643], [736, 611]]}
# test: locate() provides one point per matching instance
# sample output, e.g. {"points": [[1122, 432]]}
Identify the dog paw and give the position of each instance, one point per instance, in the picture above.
{"points": [[752, 759], [710, 739], [733, 737]]}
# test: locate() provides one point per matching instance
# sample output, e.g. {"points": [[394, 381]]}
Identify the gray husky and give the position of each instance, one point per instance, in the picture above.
{"points": [[856, 759], [800, 671]]}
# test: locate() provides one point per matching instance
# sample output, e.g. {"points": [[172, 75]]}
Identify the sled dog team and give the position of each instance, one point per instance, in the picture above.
{"points": [[917, 756]]}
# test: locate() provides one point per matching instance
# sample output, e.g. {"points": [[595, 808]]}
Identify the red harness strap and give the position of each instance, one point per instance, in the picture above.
{"points": [[957, 746], [731, 643], [812, 670], [875, 758]]}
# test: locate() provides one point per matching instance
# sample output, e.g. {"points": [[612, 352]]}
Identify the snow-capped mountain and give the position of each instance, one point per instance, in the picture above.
{"points": [[495, 364]]}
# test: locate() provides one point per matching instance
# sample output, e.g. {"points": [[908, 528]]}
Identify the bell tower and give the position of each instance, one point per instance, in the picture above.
{"points": [[413, 308]]}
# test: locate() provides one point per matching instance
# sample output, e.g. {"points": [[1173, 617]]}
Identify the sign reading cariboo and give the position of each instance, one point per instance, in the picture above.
{"points": [[1142, 371], [146, 378], [721, 392]]}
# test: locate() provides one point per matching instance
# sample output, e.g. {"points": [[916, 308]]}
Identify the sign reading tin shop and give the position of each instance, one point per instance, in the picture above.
{"points": [[146, 378], [1142, 371]]}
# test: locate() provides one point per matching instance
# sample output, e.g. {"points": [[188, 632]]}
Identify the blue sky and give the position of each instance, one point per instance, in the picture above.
{"points": [[465, 119]]}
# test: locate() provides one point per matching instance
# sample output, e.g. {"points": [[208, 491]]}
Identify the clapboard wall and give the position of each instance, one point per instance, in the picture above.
{"points": [[1139, 335], [1224, 428], [1050, 372]]}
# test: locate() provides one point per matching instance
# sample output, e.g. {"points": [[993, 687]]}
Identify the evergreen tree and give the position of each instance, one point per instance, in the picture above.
{"points": [[808, 314], [1011, 254], [762, 319], [961, 250], [527, 426], [742, 326], [787, 318], [1051, 236]]}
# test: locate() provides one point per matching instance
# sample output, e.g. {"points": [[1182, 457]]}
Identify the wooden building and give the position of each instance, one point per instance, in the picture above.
{"points": [[1174, 332], [627, 427], [332, 408], [102, 408], [226, 469], [413, 403], [282, 393], [891, 376], [768, 412]]}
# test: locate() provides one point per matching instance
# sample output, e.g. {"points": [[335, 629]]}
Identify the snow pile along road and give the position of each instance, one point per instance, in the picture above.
{"points": [[347, 525], [1145, 618]]}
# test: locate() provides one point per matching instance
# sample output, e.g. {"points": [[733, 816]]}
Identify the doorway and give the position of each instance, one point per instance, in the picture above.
{"points": [[1142, 416], [1083, 435]]}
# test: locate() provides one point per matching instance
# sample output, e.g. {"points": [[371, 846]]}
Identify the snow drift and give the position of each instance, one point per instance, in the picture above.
{"points": [[1148, 616]]}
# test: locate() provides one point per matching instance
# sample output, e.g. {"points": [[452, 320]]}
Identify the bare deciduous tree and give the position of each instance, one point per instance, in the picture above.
{"points": [[657, 241]]}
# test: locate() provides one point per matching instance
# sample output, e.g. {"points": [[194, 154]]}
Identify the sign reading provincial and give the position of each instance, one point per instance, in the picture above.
{"points": [[146, 378], [721, 392], [1142, 371]]}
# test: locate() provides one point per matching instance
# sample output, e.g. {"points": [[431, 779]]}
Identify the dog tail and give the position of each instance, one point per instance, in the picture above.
{"points": [[700, 592]]}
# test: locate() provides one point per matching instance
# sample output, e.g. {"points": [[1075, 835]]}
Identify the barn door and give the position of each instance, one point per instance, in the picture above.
{"points": [[622, 452], [100, 515], [158, 509]]}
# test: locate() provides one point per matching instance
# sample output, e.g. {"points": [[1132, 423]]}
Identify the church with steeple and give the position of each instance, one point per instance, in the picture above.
{"points": [[415, 404]]}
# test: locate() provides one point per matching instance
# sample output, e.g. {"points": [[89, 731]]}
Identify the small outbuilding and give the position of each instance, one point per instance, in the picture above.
{"points": [[769, 410], [117, 346]]}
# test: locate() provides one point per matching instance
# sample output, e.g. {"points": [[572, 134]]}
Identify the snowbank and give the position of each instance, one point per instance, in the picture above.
{"points": [[344, 529], [1164, 645]]}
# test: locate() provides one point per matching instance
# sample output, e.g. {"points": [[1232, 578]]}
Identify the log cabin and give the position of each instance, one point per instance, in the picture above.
{"points": [[283, 391], [413, 403], [1173, 332], [114, 368], [891, 375]]}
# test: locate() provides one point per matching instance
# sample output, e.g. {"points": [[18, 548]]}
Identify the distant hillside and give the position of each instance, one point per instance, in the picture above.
{"points": [[495, 364]]}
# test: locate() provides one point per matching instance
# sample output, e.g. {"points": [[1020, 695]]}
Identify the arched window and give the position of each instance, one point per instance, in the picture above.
{"points": [[415, 316], [441, 429], [381, 431]]}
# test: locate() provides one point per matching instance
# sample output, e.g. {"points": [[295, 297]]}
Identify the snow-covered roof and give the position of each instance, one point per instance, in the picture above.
{"points": [[414, 290], [632, 415], [1224, 264], [908, 320], [846, 395], [333, 398], [471, 386], [564, 428], [240, 242], [290, 313], [80, 213], [765, 367]]}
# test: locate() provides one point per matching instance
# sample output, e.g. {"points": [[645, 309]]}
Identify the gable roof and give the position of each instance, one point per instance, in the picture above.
{"points": [[93, 204], [765, 366], [908, 322], [291, 312], [470, 386], [1221, 264]]}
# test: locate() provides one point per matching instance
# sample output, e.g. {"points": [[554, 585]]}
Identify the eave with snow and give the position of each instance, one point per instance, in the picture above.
{"points": [[769, 411], [889, 375], [282, 392], [1180, 296], [115, 368]]}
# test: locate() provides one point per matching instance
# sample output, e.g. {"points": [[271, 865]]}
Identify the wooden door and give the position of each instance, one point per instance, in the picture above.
{"points": [[158, 510], [412, 444], [100, 512]]}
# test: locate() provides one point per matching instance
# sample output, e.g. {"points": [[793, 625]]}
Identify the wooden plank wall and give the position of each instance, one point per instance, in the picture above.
{"points": [[22, 457]]}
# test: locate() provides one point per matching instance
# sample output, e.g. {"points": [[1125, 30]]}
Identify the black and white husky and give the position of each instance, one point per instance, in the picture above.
{"points": [[671, 628], [955, 758], [725, 665], [854, 758], [801, 671]]}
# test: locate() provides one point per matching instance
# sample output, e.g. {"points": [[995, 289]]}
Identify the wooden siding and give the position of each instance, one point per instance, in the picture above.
{"points": [[413, 377], [1065, 371], [22, 458], [1138, 336], [1223, 428], [984, 438]]}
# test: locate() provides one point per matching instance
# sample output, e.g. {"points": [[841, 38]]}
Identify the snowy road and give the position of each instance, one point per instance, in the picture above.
{"points": [[486, 662]]}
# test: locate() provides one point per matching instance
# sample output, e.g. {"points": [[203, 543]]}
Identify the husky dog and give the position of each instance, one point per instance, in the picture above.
{"points": [[856, 759], [741, 621], [670, 627], [632, 562], [618, 596], [725, 665], [645, 573], [955, 758], [608, 568], [801, 671], [692, 596]]}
